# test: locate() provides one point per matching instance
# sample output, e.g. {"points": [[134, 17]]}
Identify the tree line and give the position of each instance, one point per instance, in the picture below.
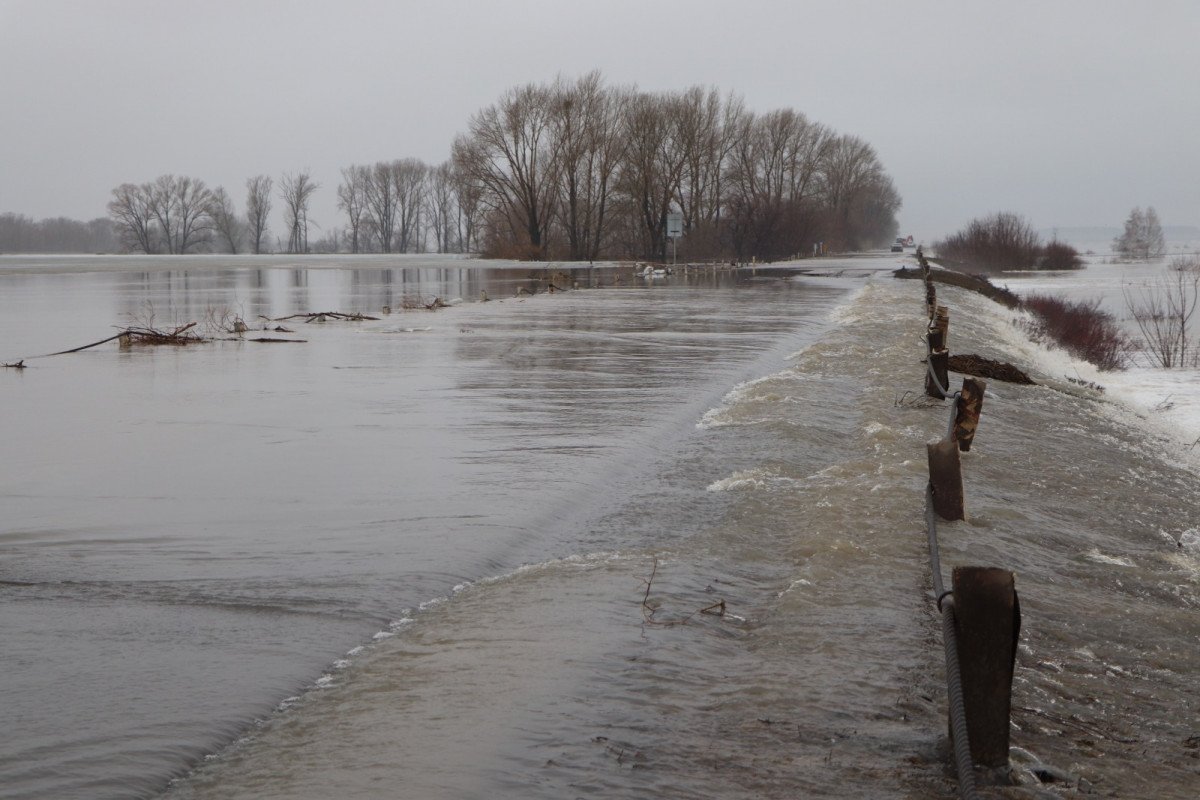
{"points": [[22, 234], [573, 169]]}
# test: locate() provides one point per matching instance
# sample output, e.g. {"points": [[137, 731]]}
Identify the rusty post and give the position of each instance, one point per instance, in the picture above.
{"points": [[970, 404], [930, 298], [940, 360], [988, 620], [945, 476]]}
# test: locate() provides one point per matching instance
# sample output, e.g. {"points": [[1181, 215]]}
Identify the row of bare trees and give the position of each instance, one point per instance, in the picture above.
{"points": [[573, 169], [174, 214], [579, 169]]}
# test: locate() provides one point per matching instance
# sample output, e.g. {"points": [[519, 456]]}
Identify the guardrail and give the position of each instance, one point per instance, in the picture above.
{"points": [[981, 615]]}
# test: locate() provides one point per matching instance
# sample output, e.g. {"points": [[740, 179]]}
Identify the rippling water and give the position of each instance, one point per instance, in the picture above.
{"points": [[463, 554]]}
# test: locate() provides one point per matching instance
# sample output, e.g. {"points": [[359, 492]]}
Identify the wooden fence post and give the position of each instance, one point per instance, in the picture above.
{"points": [[945, 476], [988, 620], [970, 404]]}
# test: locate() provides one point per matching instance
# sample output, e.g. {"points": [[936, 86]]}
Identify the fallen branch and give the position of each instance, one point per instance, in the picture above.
{"points": [[717, 609], [16, 365], [321, 316]]}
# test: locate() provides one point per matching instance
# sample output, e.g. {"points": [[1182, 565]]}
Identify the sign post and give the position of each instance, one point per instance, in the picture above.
{"points": [[674, 232]]}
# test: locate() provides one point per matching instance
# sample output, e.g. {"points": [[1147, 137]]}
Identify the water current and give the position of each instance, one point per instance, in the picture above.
{"points": [[482, 551]]}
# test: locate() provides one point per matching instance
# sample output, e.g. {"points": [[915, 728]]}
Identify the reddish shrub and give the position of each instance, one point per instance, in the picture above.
{"points": [[1082, 329], [1059, 255]]}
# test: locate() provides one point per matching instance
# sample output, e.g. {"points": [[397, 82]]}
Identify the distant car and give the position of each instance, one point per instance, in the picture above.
{"points": [[896, 248]]}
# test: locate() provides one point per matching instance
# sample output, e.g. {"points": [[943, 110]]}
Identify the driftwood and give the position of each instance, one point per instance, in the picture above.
{"points": [[717, 609], [183, 335], [321, 316], [15, 365], [976, 283], [982, 367], [267, 339]]}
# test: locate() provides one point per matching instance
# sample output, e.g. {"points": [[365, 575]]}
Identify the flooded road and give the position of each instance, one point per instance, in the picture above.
{"points": [[465, 553]]}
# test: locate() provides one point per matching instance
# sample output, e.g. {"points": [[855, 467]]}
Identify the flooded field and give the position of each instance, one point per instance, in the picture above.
{"points": [[465, 553]]}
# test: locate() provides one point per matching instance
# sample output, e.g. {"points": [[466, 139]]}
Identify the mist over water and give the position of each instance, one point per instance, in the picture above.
{"points": [[409, 557]]}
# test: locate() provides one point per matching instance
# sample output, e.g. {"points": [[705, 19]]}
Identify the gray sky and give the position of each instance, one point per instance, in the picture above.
{"points": [[1068, 112]]}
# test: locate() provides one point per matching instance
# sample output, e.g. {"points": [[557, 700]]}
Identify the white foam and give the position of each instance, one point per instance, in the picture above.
{"points": [[757, 478], [1100, 558]]}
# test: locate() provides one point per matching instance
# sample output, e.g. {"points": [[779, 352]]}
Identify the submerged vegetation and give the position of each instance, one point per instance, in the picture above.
{"points": [[1005, 241], [1081, 328]]}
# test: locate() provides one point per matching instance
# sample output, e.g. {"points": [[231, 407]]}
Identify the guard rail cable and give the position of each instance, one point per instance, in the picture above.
{"points": [[954, 691], [945, 605]]}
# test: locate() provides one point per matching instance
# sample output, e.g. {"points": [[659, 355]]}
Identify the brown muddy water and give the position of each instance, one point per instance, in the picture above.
{"points": [[408, 557]]}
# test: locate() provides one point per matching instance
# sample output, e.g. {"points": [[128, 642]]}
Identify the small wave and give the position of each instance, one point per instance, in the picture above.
{"points": [[796, 584], [1100, 558], [758, 478]]}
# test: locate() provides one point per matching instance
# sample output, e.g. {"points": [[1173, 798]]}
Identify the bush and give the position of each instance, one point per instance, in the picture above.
{"points": [[1059, 255], [1001, 241], [1082, 329]]}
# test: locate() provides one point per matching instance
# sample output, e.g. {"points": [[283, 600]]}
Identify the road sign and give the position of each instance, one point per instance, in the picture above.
{"points": [[675, 225]]}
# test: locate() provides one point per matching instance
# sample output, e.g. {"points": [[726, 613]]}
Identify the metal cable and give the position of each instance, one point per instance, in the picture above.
{"points": [[944, 390], [958, 713]]}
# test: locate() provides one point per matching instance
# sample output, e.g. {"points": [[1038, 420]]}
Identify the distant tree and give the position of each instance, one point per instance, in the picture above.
{"points": [[381, 204], [510, 152], [226, 223], [181, 206], [131, 213], [409, 176], [442, 207], [586, 126], [352, 198], [20, 234], [296, 190], [653, 166], [258, 210], [468, 195], [170, 214], [1143, 236]]}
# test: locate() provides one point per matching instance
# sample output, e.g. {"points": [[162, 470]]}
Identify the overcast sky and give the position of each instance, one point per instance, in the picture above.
{"points": [[1068, 112]]}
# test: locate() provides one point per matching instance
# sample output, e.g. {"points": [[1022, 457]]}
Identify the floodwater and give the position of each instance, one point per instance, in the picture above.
{"points": [[481, 552]]}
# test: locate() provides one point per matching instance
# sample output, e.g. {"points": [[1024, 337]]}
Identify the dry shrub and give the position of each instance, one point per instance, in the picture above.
{"points": [[1059, 255], [1082, 329], [1001, 241]]}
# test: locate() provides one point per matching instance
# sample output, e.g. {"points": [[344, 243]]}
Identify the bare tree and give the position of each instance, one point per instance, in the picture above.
{"points": [[586, 122], [381, 204], [509, 151], [408, 177], [653, 165], [775, 183], [131, 212], [1163, 310], [296, 190], [443, 207], [352, 198], [258, 210], [225, 221], [469, 206], [709, 130]]}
